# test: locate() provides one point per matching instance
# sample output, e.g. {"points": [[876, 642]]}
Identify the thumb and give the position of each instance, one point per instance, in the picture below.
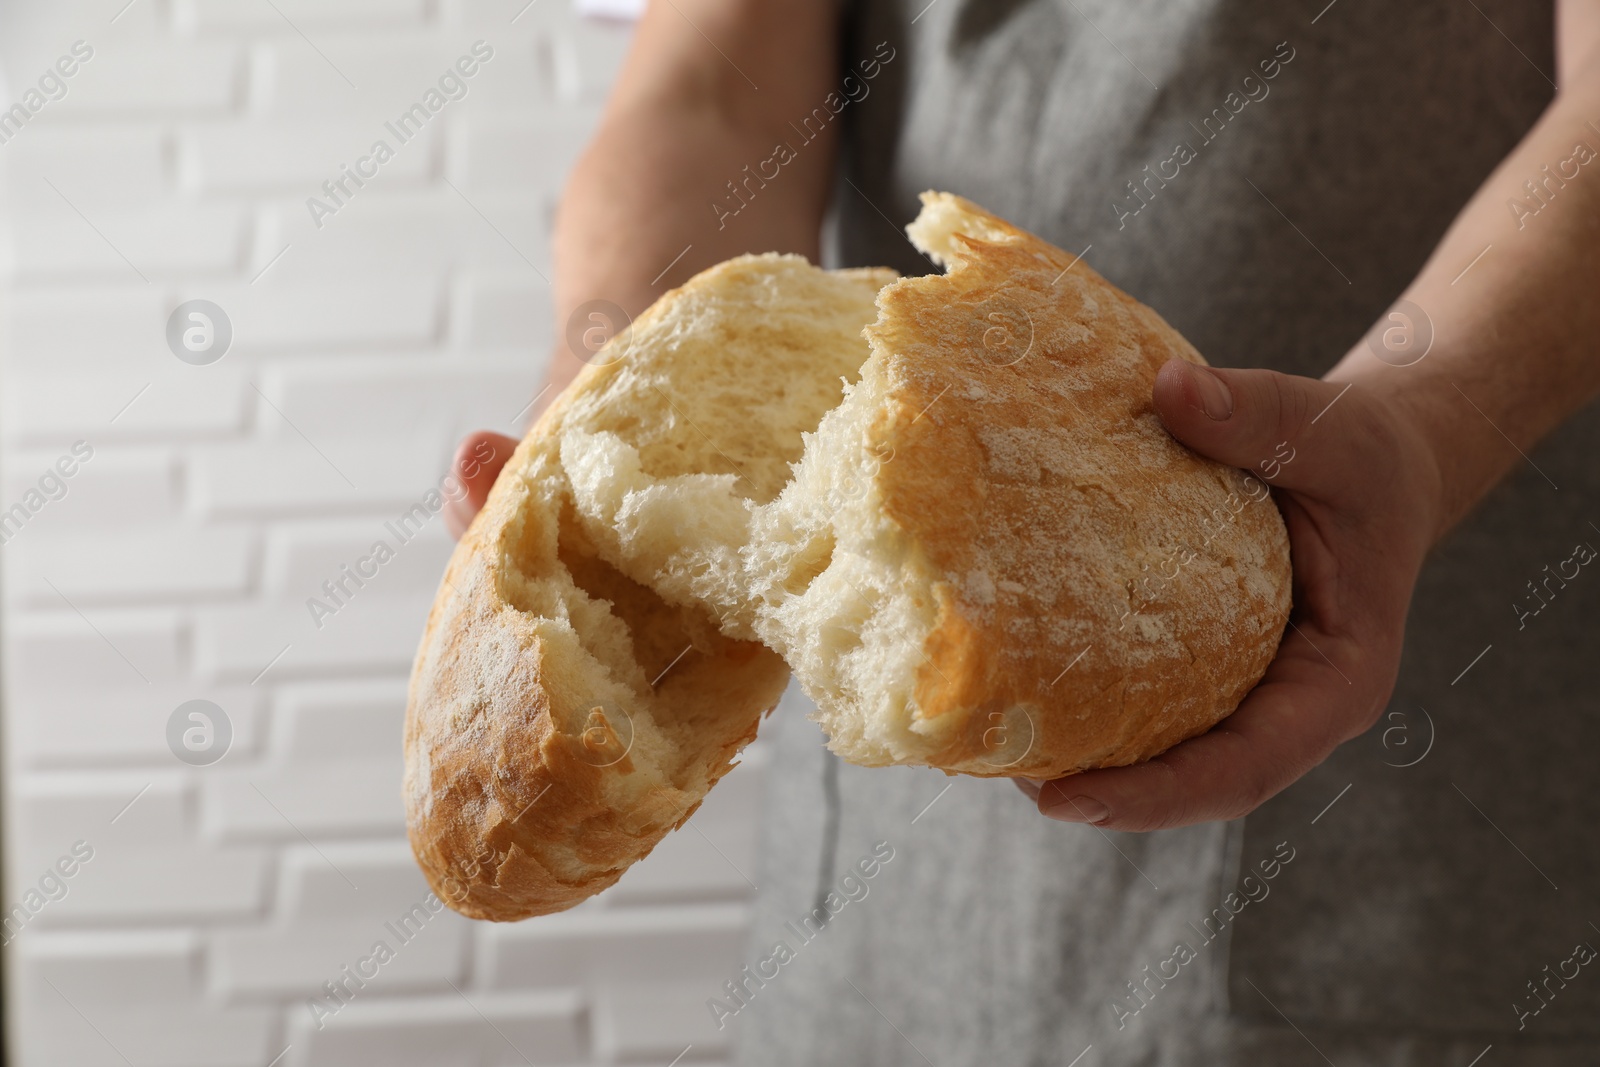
{"points": [[478, 460], [1257, 420]]}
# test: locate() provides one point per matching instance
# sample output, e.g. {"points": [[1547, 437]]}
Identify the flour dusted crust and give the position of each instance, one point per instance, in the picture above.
{"points": [[945, 503]]}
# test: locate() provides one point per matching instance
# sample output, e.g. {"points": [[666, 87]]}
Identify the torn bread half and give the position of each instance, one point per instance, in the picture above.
{"points": [[564, 716], [946, 503]]}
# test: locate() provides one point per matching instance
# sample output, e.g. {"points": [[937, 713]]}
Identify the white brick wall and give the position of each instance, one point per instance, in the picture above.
{"points": [[218, 899]]}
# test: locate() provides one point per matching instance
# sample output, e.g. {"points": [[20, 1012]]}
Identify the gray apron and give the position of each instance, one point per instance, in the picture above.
{"points": [[1429, 894]]}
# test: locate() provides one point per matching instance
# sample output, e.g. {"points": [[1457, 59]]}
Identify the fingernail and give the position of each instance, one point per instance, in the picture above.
{"points": [[1078, 809], [1215, 399]]}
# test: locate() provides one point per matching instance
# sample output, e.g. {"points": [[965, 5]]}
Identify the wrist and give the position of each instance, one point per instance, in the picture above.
{"points": [[1419, 439]]}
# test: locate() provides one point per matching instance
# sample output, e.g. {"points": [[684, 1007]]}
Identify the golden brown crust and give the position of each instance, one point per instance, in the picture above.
{"points": [[1104, 592], [519, 803]]}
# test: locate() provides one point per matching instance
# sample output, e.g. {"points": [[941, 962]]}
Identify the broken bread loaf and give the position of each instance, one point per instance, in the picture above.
{"points": [[945, 503]]}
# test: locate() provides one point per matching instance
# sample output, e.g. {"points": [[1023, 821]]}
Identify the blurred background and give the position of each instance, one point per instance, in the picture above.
{"points": [[229, 368]]}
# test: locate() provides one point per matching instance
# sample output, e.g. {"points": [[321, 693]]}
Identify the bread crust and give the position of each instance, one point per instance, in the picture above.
{"points": [[518, 803], [1103, 592]]}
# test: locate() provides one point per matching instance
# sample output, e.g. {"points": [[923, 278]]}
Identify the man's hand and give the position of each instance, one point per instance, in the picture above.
{"points": [[1361, 499], [476, 475]]}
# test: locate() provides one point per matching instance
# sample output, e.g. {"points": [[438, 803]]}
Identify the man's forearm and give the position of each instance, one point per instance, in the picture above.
{"points": [[1510, 297], [672, 181]]}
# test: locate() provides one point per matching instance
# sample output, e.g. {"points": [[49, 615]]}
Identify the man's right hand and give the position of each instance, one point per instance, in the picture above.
{"points": [[479, 457], [482, 453]]}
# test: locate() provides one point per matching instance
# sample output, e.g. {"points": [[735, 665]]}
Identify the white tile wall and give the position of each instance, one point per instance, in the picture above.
{"points": [[176, 566]]}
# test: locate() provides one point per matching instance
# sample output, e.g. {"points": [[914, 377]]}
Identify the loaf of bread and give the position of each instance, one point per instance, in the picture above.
{"points": [[946, 503]]}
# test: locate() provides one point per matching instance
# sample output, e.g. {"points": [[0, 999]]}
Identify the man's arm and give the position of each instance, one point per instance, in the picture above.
{"points": [[1515, 335], [1382, 471], [1577, 36], [708, 89]]}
